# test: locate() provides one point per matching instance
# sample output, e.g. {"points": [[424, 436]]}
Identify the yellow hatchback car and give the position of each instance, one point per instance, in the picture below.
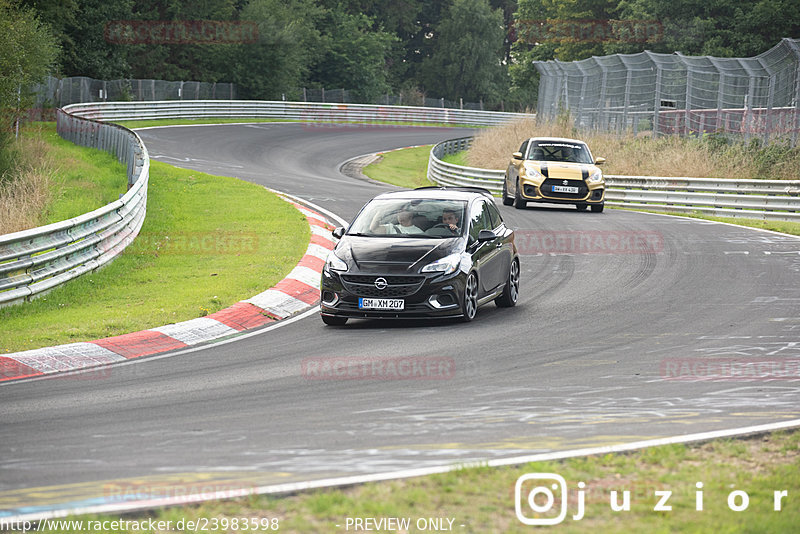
{"points": [[552, 169]]}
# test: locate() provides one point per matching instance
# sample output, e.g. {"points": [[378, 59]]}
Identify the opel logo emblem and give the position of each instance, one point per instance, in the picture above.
{"points": [[565, 182], [381, 283]]}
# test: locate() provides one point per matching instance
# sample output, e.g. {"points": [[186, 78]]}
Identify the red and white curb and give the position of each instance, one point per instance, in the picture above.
{"points": [[295, 293]]}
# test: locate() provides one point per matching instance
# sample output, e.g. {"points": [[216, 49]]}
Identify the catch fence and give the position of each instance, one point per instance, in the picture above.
{"points": [[678, 94]]}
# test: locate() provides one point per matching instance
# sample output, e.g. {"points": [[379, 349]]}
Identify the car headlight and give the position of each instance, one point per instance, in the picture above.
{"points": [[335, 263], [596, 176], [448, 264], [531, 172]]}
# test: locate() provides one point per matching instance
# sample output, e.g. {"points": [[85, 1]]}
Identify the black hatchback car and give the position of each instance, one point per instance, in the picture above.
{"points": [[430, 252]]}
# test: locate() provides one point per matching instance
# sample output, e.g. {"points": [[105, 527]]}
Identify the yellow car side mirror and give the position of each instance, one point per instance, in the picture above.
{"points": [[517, 155], [599, 161]]}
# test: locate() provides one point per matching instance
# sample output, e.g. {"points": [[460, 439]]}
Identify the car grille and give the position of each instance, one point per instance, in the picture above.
{"points": [[398, 286], [547, 188]]}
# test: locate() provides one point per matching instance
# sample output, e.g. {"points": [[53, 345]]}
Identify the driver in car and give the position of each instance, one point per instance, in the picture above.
{"points": [[450, 219]]}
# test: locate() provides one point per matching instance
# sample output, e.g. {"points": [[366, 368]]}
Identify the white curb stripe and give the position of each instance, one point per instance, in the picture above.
{"points": [[318, 251], [321, 231], [277, 303], [196, 331], [306, 275], [66, 357]]}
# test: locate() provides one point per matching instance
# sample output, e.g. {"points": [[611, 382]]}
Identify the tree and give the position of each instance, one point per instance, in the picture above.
{"points": [[191, 58], [467, 57], [28, 52], [85, 49], [353, 55], [287, 46], [723, 28]]}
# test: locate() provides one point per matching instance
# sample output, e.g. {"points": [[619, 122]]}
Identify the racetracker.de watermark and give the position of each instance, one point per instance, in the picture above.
{"points": [[530, 242], [177, 491], [180, 32], [729, 369], [400, 368], [588, 31], [197, 243]]}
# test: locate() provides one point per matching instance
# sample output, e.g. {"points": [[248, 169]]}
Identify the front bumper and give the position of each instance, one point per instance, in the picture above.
{"points": [[424, 295], [588, 193]]}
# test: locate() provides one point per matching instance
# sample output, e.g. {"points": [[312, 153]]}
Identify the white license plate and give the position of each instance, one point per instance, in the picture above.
{"points": [[564, 189], [380, 304]]}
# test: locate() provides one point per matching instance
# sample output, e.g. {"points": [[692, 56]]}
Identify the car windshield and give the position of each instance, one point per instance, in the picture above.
{"points": [[403, 217], [559, 151]]}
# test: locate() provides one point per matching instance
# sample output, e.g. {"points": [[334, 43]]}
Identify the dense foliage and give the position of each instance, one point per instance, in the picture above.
{"points": [[470, 49]]}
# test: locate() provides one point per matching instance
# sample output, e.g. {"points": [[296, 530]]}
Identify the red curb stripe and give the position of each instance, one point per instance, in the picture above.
{"points": [[321, 241], [11, 369], [298, 290], [242, 316], [138, 344], [312, 262], [318, 222]]}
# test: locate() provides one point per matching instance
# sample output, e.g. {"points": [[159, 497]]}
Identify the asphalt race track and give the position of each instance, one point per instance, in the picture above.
{"points": [[627, 333]]}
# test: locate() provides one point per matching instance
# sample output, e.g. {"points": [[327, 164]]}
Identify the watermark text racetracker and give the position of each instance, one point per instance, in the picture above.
{"points": [[544, 499], [180, 32], [197, 243], [152, 524], [588, 31], [531, 242], [730, 369], [375, 368]]}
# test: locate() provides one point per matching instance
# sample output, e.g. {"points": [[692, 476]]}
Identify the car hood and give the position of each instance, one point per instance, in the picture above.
{"points": [[394, 254], [565, 171]]}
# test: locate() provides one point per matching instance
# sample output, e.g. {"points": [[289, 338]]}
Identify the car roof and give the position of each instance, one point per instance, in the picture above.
{"points": [[558, 139], [439, 193]]}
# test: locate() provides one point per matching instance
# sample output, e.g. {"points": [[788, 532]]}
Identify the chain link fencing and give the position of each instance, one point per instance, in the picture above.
{"points": [[757, 97], [60, 92]]}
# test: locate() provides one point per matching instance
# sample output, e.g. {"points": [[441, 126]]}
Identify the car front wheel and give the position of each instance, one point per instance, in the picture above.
{"points": [[469, 304], [597, 208], [507, 200], [519, 202]]}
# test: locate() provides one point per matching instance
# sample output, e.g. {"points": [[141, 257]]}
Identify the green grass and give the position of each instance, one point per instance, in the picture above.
{"points": [[178, 122], [459, 158], [192, 218], [405, 168], [147, 123], [482, 499], [86, 179]]}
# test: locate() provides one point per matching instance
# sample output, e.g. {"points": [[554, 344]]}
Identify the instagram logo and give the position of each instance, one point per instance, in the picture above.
{"points": [[541, 498]]}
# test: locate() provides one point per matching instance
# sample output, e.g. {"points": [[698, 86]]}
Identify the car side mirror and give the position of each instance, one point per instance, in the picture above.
{"points": [[486, 235], [599, 161], [338, 232], [517, 155]]}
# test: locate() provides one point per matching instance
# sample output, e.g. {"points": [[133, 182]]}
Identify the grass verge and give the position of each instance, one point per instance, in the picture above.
{"points": [[73, 180], [482, 499], [407, 167], [180, 122], [713, 156], [211, 240]]}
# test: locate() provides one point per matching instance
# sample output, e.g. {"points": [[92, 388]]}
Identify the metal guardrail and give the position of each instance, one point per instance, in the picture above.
{"points": [[296, 111], [753, 199], [37, 260]]}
